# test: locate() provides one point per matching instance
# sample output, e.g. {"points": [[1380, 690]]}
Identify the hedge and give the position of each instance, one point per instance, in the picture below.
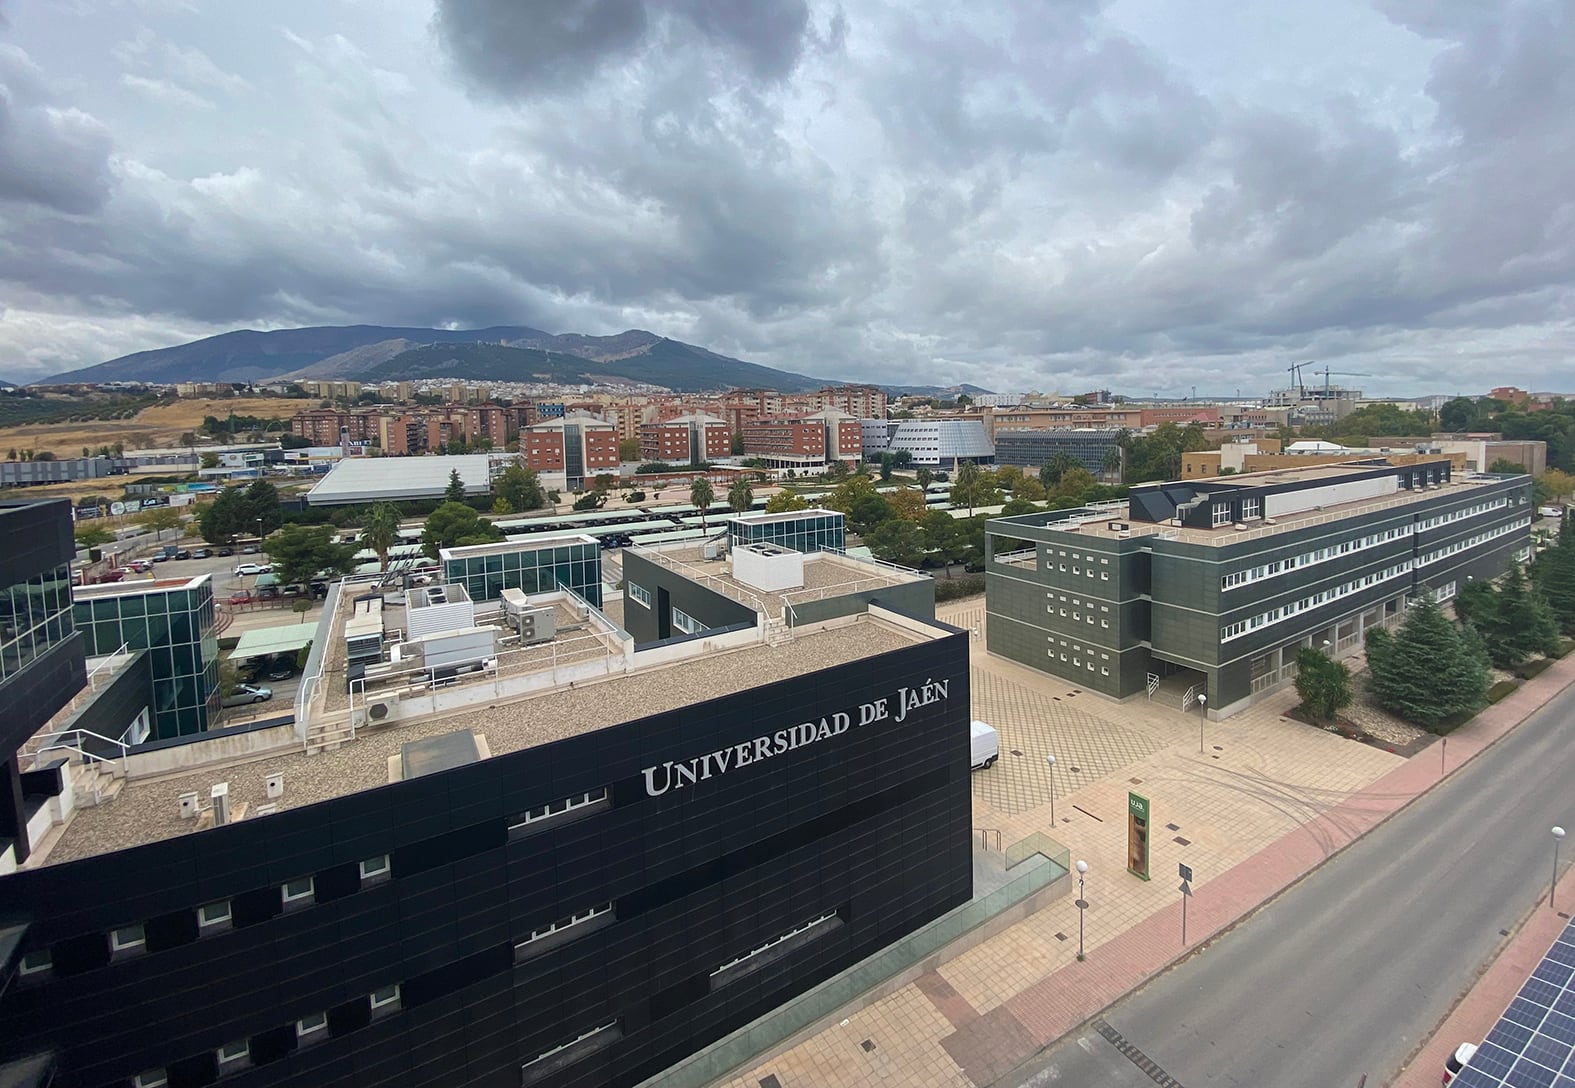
{"points": [[1501, 689]]}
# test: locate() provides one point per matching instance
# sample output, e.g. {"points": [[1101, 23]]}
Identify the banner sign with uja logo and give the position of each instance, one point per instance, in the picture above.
{"points": [[895, 707]]}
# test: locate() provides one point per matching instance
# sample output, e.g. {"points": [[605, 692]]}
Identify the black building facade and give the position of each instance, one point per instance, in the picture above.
{"points": [[581, 913], [1204, 577]]}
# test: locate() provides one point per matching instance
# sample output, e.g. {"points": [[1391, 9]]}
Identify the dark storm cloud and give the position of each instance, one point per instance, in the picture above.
{"points": [[56, 157], [528, 47]]}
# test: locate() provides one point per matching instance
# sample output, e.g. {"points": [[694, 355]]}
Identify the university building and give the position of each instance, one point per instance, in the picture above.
{"points": [[1214, 585], [499, 842]]}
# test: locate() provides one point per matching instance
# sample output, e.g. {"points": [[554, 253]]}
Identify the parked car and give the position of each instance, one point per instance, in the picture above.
{"points": [[280, 668], [141, 566], [161, 558], [1458, 1061], [114, 574], [225, 552], [250, 549], [201, 553], [242, 569], [246, 694], [241, 598], [182, 555]]}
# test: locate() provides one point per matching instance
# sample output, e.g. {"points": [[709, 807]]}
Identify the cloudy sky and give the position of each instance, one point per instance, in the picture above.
{"points": [[1149, 195]]}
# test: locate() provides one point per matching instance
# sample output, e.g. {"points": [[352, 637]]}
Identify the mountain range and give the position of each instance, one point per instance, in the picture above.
{"points": [[372, 353]]}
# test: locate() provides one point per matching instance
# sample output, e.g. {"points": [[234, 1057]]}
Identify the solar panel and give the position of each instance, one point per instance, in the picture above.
{"points": [[1533, 1043]]}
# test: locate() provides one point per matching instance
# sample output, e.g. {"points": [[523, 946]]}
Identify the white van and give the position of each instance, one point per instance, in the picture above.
{"points": [[985, 746], [1550, 511]]}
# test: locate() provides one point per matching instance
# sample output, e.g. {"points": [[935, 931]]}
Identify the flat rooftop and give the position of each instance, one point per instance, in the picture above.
{"points": [[826, 574], [147, 809], [136, 586], [1097, 523]]}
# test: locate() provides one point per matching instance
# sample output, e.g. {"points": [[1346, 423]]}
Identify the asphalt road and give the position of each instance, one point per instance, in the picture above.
{"points": [[1347, 973]]}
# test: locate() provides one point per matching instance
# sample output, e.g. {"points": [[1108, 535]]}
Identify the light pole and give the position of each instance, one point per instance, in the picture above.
{"points": [[1203, 716], [1558, 835], [1082, 905], [1051, 761]]}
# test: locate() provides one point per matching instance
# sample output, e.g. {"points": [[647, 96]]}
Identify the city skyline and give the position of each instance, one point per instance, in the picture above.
{"points": [[1116, 195]]}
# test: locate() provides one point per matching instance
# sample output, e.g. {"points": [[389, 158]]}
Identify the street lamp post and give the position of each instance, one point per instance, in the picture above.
{"points": [[1558, 836], [1082, 905], [1051, 761], [1203, 716]]}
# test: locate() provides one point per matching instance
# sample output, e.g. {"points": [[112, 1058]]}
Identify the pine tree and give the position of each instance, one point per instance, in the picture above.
{"points": [[1554, 575], [1524, 621], [1427, 672], [455, 491]]}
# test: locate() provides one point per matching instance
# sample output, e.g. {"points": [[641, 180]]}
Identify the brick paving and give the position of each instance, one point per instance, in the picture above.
{"points": [[1267, 800]]}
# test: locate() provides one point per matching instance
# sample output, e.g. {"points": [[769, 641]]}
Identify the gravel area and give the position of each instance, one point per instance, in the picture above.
{"points": [[147, 810], [1376, 722]]}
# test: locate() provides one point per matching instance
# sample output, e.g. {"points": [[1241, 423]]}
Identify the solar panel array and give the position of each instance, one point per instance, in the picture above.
{"points": [[1533, 1043]]}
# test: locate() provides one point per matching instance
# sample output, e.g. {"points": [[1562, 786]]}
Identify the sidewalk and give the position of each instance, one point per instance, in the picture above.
{"points": [[1264, 804]]}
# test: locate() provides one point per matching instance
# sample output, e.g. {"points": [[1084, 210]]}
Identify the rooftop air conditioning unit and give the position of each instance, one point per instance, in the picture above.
{"points": [[1268, 521], [265, 810], [190, 805], [221, 803], [274, 786], [1240, 527], [382, 711]]}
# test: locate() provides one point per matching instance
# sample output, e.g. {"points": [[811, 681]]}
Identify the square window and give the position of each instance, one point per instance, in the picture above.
{"points": [[385, 998], [298, 892], [128, 938], [374, 868], [234, 1055], [214, 914], [153, 1078], [314, 1025], [36, 962]]}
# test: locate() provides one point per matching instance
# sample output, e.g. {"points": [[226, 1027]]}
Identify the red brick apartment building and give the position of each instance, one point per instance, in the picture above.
{"points": [[685, 439]]}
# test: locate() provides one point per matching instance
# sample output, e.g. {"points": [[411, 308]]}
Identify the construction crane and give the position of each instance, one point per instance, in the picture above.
{"points": [[1296, 377], [1343, 374]]}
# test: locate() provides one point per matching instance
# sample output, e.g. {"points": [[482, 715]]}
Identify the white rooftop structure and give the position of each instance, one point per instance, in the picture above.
{"points": [[370, 479]]}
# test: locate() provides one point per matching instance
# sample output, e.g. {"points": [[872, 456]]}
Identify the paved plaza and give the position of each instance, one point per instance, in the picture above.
{"points": [[1266, 800]]}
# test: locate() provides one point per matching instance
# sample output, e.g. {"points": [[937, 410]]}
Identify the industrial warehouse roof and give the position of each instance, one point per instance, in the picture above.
{"points": [[369, 479], [267, 641]]}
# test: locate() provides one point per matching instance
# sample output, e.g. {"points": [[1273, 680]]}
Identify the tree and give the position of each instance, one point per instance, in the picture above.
{"points": [[1076, 484], [261, 508], [501, 505], [1526, 623], [1558, 483], [1458, 414], [1508, 467], [1429, 671], [923, 476], [1029, 489], [300, 552], [226, 517], [885, 467], [1323, 683], [783, 501], [846, 494], [603, 482], [897, 541], [521, 488], [628, 449], [966, 487], [735, 445], [455, 491], [455, 525], [1051, 471], [740, 495], [907, 503], [702, 496], [1554, 575], [868, 513], [93, 536], [945, 538], [1015, 506], [380, 531], [158, 519], [208, 460]]}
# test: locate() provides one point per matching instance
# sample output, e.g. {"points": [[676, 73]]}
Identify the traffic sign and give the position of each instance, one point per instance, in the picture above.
{"points": [[1186, 889], [1186, 871]]}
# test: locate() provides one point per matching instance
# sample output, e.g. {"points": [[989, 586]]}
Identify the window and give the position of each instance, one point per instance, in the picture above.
{"points": [[385, 999], [153, 1078], [313, 1026], [687, 623], [374, 868], [298, 893], [640, 595], [213, 915], [1221, 513], [565, 1054], [775, 942], [556, 809], [532, 944], [128, 939], [1251, 508], [36, 962], [233, 1056]]}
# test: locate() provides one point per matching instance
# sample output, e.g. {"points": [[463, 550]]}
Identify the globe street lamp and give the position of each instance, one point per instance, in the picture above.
{"points": [[1203, 716], [1082, 905], [1051, 761], [1558, 835]]}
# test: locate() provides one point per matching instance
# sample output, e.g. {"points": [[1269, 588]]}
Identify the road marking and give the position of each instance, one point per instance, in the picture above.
{"points": [[1136, 1056]]}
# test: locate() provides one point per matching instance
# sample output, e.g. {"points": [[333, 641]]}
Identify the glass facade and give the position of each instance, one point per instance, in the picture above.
{"points": [[35, 615], [815, 530], [575, 565], [175, 626]]}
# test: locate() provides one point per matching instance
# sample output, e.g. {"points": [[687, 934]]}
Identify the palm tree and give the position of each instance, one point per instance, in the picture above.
{"points": [[924, 476], [381, 531], [740, 496], [966, 484], [701, 495]]}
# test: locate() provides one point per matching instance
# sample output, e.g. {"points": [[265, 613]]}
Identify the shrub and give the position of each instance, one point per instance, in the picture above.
{"points": [[1532, 668], [1501, 689], [951, 589]]}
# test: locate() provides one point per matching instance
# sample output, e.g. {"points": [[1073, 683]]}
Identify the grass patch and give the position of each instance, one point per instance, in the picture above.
{"points": [[1501, 689]]}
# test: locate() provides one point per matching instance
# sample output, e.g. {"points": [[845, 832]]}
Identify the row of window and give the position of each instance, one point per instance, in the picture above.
{"points": [[687, 623], [1077, 616], [1077, 656], [640, 594], [215, 917], [1472, 541], [1252, 623], [1317, 555], [1464, 512], [234, 1056]]}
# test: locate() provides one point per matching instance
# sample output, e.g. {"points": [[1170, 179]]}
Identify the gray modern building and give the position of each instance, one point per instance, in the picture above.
{"points": [[532, 565], [1214, 585], [1091, 446], [62, 470], [173, 620], [799, 530]]}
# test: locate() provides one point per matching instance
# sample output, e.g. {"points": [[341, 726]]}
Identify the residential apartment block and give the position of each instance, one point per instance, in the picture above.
{"points": [[810, 441], [685, 439], [1217, 583], [569, 451]]}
